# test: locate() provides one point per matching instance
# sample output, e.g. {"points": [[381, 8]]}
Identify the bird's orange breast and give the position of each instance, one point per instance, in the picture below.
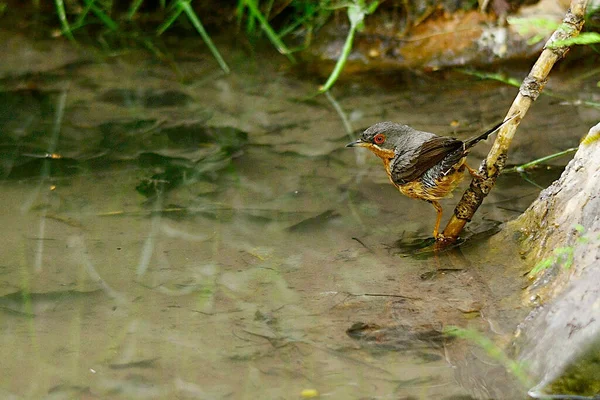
{"points": [[384, 154]]}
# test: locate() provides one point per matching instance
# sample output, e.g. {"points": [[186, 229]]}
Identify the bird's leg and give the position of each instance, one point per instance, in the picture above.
{"points": [[474, 173], [438, 208]]}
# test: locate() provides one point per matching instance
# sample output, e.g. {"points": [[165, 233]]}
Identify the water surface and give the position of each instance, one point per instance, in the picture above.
{"points": [[211, 237]]}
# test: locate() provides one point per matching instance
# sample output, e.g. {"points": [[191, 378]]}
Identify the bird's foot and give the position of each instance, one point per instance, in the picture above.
{"points": [[441, 239]]}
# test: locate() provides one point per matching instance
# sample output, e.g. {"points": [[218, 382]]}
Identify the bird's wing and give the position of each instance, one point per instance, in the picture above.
{"points": [[431, 153]]}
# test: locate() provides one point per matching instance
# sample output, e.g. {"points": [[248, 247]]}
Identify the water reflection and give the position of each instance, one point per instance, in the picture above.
{"points": [[264, 261]]}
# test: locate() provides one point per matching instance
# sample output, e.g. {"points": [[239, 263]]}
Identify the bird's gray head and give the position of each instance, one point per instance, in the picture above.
{"points": [[389, 136]]}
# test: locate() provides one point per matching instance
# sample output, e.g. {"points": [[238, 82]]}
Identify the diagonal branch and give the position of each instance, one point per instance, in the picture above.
{"points": [[530, 89]]}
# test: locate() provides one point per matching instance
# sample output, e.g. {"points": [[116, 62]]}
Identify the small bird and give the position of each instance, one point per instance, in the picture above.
{"points": [[420, 164]]}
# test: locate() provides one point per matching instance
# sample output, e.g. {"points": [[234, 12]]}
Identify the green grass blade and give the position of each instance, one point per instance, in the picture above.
{"points": [[527, 179], [239, 11], [523, 167], [81, 18], [102, 16], [339, 65], [508, 80], [251, 25], [169, 21], [269, 8], [271, 34], [357, 10], [583, 38], [293, 26], [62, 16], [185, 5], [517, 83], [518, 370], [133, 9]]}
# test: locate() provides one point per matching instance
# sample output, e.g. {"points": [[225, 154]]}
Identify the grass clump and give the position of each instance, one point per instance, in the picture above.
{"points": [[279, 21]]}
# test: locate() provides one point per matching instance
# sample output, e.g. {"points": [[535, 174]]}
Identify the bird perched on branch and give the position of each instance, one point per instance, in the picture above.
{"points": [[420, 164]]}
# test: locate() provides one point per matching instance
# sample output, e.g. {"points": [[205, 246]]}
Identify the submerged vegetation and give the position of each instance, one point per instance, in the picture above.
{"points": [[576, 382], [516, 369]]}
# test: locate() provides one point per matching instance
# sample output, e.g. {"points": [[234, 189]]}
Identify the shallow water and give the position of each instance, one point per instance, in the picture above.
{"points": [[159, 258]]}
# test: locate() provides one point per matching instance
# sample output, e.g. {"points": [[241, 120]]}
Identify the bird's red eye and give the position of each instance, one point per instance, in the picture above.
{"points": [[379, 138]]}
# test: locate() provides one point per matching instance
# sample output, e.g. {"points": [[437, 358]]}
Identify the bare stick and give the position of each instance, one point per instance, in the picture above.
{"points": [[529, 91]]}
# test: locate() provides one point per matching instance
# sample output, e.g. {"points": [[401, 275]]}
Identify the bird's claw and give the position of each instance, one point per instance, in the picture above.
{"points": [[441, 238]]}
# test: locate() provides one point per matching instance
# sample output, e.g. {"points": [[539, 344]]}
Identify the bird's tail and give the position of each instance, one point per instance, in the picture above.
{"points": [[474, 140]]}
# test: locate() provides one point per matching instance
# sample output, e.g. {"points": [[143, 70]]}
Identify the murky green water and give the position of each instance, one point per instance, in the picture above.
{"points": [[214, 239]]}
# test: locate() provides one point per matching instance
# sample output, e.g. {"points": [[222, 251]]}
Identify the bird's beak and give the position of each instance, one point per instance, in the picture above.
{"points": [[357, 143]]}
